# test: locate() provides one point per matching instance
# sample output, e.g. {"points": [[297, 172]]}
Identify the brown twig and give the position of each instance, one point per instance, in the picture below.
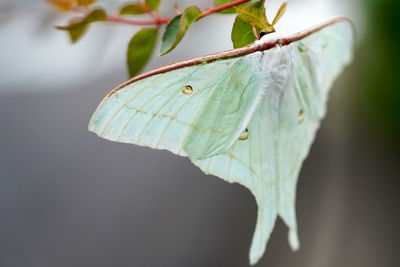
{"points": [[251, 48]]}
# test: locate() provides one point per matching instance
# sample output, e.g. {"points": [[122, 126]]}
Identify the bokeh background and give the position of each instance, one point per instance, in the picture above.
{"points": [[69, 198]]}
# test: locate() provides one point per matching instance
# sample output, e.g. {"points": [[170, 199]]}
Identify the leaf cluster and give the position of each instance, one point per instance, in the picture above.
{"points": [[250, 23]]}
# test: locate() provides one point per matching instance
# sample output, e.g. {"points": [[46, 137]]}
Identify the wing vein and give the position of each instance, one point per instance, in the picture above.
{"points": [[132, 97]]}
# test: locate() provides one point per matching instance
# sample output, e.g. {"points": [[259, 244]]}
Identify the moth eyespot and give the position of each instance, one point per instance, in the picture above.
{"points": [[244, 135], [187, 90], [301, 116]]}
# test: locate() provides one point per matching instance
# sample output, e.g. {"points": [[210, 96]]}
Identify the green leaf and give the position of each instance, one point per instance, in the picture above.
{"points": [[228, 10], [152, 4], [177, 28], [78, 27], [254, 14], [170, 35], [140, 49], [280, 13], [242, 33], [133, 9]]}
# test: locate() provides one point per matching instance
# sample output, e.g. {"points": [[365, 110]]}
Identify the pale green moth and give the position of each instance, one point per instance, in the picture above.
{"points": [[247, 115]]}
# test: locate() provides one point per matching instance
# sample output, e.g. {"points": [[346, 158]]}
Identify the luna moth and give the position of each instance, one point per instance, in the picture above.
{"points": [[247, 115]]}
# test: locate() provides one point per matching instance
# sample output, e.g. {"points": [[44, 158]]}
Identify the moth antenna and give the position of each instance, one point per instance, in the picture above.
{"points": [[279, 14]]}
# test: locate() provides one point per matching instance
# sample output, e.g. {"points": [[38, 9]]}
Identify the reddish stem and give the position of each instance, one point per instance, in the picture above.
{"points": [[177, 9], [151, 13], [220, 8], [256, 34], [156, 21], [159, 20]]}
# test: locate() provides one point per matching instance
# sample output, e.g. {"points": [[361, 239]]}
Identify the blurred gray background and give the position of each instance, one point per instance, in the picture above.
{"points": [[69, 198]]}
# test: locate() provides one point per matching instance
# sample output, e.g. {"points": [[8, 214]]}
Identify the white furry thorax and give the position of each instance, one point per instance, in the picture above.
{"points": [[271, 37]]}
